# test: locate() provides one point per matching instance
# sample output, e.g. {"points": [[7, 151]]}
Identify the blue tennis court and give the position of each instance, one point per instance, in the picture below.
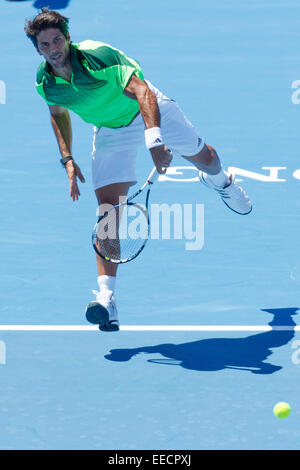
{"points": [[209, 341]]}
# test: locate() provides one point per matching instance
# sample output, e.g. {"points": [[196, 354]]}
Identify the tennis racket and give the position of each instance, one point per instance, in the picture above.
{"points": [[122, 231]]}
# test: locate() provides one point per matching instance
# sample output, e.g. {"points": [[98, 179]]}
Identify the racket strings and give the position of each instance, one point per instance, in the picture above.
{"points": [[122, 232]]}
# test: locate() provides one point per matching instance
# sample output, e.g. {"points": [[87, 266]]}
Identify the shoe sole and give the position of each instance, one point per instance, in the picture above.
{"points": [[202, 180], [98, 315], [240, 213]]}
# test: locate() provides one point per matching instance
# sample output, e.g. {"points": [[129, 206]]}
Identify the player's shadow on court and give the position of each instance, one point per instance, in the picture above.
{"points": [[215, 354], [52, 4]]}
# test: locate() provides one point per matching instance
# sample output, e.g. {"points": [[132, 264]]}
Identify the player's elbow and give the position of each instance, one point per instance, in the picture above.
{"points": [[145, 94], [136, 88]]}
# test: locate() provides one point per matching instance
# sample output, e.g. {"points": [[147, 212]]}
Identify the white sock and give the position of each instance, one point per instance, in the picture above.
{"points": [[107, 283], [220, 179]]}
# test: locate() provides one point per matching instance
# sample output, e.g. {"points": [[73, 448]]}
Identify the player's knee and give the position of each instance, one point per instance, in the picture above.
{"points": [[206, 156]]}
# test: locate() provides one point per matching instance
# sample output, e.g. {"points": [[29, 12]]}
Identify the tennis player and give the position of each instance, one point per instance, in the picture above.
{"points": [[108, 89]]}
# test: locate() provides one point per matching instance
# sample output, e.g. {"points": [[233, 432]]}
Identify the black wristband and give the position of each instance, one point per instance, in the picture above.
{"points": [[64, 160]]}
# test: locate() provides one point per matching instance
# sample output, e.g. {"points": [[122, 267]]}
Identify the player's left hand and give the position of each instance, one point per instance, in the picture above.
{"points": [[162, 158], [74, 172]]}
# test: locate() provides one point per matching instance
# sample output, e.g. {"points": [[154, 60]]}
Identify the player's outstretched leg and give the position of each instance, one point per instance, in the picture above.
{"points": [[103, 310], [213, 176]]}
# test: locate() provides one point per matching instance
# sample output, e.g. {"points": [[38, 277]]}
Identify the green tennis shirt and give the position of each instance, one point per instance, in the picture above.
{"points": [[100, 74]]}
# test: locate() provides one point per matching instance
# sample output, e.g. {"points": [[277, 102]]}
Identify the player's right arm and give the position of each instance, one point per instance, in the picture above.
{"points": [[61, 123]]}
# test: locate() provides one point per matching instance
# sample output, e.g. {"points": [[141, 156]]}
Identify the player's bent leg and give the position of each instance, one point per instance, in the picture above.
{"points": [[181, 136], [103, 311], [206, 160], [213, 176]]}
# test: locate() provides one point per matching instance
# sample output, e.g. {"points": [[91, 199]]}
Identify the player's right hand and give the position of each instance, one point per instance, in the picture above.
{"points": [[74, 172], [162, 158]]}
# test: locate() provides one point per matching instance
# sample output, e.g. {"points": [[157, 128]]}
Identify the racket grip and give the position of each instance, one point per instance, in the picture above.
{"points": [[153, 176]]}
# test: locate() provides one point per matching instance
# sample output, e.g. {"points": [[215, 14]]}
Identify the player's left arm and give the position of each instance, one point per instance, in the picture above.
{"points": [[139, 90]]}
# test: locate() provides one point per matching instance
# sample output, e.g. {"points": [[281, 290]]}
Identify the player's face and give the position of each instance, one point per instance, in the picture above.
{"points": [[52, 44]]}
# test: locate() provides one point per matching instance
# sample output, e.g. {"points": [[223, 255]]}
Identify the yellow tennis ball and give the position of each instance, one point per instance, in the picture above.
{"points": [[282, 409]]}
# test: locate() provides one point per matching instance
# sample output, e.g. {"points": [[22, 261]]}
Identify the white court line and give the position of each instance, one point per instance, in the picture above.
{"points": [[150, 328]]}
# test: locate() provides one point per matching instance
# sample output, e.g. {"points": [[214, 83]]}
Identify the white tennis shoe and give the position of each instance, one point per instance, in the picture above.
{"points": [[232, 195], [103, 311]]}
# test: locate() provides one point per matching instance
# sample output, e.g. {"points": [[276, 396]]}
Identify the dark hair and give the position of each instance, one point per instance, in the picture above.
{"points": [[45, 20]]}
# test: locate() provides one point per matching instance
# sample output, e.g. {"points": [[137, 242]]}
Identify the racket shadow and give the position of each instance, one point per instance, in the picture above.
{"points": [[216, 354]]}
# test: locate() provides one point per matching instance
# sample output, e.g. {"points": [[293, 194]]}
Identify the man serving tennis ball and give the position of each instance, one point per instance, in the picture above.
{"points": [[107, 89]]}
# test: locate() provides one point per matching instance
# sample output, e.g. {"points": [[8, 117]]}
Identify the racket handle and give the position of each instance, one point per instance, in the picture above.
{"points": [[153, 176]]}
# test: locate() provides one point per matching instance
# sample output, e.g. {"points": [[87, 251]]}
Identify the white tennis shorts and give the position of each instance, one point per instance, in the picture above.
{"points": [[114, 150]]}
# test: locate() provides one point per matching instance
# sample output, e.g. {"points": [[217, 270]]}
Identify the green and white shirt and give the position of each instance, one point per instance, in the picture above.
{"points": [[100, 74]]}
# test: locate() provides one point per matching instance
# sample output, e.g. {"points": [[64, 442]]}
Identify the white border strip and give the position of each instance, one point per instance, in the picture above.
{"points": [[150, 328]]}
